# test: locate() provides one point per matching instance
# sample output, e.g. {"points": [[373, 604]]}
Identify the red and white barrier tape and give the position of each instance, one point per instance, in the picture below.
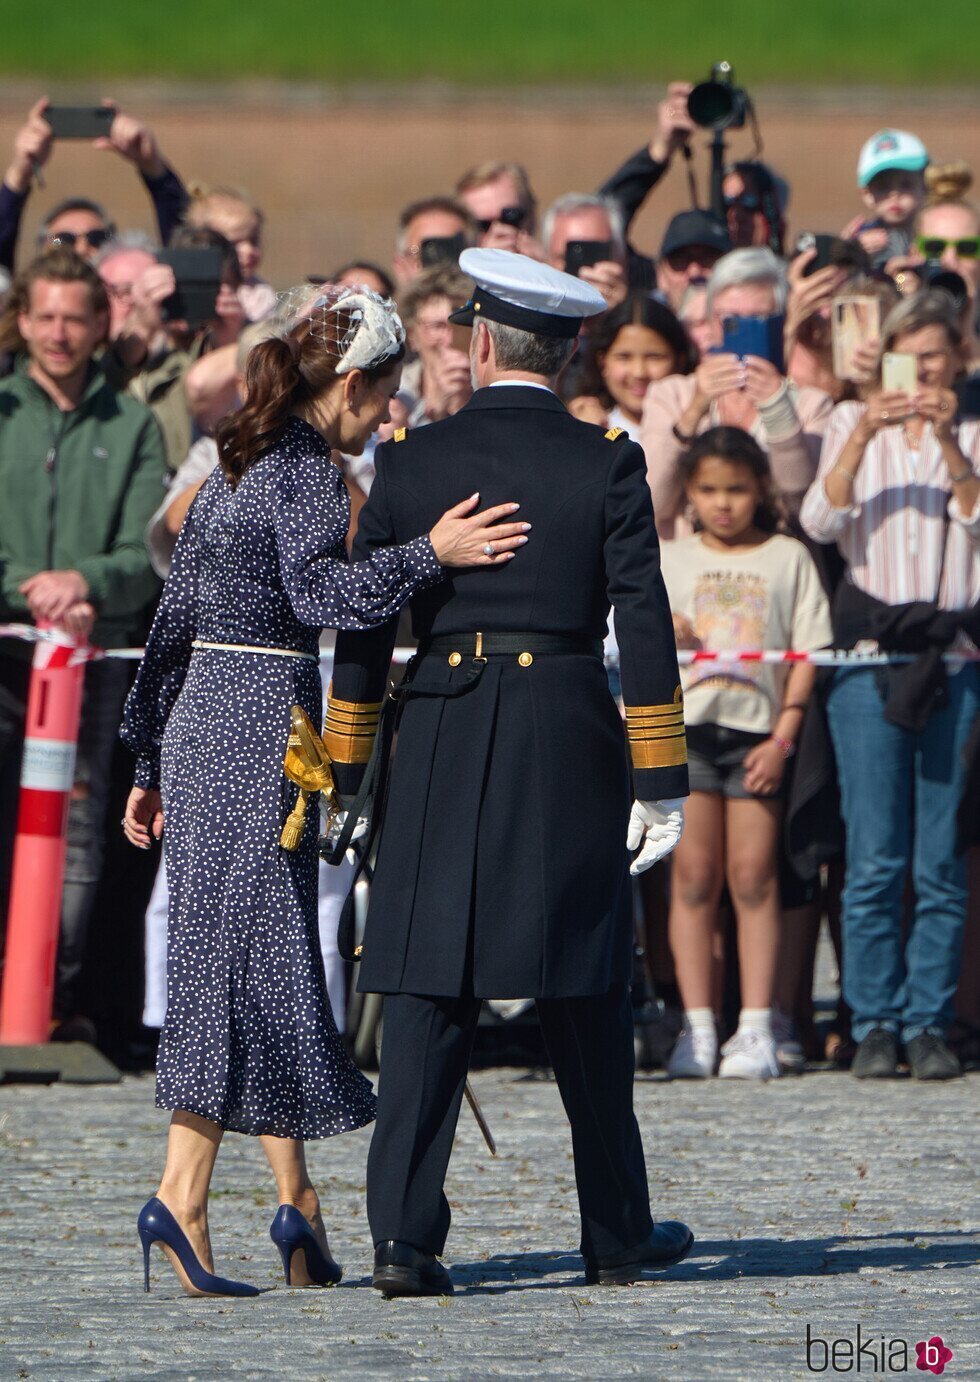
{"points": [[824, 657]]}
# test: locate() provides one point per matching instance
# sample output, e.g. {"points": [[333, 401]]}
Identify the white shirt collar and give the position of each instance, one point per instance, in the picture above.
{"points": [[519, 384]]}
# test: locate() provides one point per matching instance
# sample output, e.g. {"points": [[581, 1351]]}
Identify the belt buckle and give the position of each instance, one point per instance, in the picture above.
{"points": [[478, 655]]}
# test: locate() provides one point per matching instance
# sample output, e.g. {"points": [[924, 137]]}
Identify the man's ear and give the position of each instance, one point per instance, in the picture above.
{"points": [[484, 343]]}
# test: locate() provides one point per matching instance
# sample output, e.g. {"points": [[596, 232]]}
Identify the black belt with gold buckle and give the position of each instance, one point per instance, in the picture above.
{"points": [[457, 647]]}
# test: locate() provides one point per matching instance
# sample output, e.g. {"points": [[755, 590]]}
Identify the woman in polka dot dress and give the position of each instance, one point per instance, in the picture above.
{"points": [[249, 1043]]}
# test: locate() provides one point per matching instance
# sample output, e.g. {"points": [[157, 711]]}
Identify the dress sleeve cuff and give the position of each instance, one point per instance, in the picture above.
{"points": [[421, 561], [971, 520], [818, 517], [147, 772], [779, 416]]}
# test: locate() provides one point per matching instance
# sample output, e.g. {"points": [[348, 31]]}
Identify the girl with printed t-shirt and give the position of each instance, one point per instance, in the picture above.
{"points": [[735, 584]]}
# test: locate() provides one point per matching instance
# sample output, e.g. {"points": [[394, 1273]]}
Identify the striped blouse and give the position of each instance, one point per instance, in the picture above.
{"points": [[892, 535]]}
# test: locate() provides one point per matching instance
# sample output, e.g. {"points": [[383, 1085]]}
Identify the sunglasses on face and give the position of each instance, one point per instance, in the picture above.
{"points": [[933, 247], [747, 201], [68, 239], [509, 215]]}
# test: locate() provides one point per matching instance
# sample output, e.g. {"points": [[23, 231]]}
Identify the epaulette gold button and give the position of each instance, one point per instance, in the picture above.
{"points": [[455, 659], [525, 659]]}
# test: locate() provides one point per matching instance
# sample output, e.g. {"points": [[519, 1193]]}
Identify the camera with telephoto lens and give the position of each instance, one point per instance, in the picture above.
{"points": [[718, 104], [934, 274]]}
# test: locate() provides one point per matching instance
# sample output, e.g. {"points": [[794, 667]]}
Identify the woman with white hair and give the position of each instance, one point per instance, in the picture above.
{"points": [[735, 391]]}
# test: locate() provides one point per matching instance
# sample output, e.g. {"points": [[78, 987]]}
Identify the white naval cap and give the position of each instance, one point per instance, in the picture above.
{"points": [[521, 292]]}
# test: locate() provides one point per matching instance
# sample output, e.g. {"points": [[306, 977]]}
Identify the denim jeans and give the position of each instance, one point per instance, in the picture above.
{"points": [[102, 700], [900, 791]]}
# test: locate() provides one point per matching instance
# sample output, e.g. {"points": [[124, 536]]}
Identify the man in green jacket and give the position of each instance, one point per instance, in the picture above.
{"points": [[81, 471]]}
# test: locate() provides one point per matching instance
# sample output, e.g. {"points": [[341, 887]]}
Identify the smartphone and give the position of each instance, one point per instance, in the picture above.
{"points": [[442, 249], [80, 122], [853, 320], [580, 254], [762, 336], [899, 372], [198, 275], [831, 249]]}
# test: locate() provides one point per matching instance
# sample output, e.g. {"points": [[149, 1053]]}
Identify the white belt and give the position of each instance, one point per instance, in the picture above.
{"points": [[248, 648]]}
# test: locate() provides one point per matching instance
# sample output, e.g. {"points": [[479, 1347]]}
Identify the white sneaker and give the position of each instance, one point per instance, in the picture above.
{"points": [[694, 1056], [749, 1055], [789, 1051]]}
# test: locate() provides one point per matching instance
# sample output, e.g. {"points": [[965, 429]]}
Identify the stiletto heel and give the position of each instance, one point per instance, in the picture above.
{"points": [[147, 1240], [156, 1224], [291, 1234]]}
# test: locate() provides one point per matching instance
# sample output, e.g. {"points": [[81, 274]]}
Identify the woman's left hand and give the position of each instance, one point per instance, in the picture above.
{"points": [[937, 406], [764, 767], [143, 821]]}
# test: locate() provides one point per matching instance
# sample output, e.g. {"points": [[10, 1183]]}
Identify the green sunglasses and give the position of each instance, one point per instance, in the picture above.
{"points": [[933, 247]]}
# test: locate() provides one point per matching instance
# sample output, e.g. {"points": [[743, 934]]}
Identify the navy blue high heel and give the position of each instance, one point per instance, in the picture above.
{"points": [[291, 1234], [156, 1224]]}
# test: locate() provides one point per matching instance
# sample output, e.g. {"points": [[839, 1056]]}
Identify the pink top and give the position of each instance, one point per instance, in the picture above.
{"points": [[790, 427], [892, 536]]}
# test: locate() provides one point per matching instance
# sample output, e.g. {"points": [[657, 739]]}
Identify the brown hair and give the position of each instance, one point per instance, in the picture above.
{"points": [[441, 281], [928, 307], [58, 265], [283, 374], [483, 173], [948, 183]]}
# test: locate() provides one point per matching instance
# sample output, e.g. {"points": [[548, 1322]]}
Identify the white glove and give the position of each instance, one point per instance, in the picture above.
{"points": [[657, 826]]}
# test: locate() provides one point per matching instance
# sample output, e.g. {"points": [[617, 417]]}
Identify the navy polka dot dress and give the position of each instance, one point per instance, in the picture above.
{"points": [[249, 1039]]}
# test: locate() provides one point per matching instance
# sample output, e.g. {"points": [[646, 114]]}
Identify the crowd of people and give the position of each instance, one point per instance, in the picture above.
{"points": [[815, 473]]}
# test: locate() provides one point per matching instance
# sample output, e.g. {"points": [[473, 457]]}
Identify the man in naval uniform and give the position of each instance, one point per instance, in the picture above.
{"points": [[503, 868]]}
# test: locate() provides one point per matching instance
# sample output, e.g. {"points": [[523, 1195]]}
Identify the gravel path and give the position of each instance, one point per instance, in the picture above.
{"points": [[818, 1203]]}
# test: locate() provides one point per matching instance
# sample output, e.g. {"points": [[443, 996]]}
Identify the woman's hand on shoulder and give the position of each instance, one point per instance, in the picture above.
{"points": [[143, 821], [588, 408], [463, 538]]}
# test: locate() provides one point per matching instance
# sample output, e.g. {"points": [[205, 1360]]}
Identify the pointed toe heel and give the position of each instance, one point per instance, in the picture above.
{"points": [[156, 1224], [302, 1256]]}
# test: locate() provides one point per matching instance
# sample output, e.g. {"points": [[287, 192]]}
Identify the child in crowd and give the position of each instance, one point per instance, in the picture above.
{"points": [[891, 169], [735, 583], [239, 221], [634, 344]]}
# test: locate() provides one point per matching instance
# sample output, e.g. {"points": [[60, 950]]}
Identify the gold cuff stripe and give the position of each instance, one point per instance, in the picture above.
{"points": [[342, 718], [671, 708], [662, 753], [348, 748], [655, 734], [353, 707], [638, 721]]}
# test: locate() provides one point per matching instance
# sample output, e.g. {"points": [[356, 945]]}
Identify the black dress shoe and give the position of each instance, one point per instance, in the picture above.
{"points": [[401, 1270], [667, 1244], [876, 1057], [931, 1059]]}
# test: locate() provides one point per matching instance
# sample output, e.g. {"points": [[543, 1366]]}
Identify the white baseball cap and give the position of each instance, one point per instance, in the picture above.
{"points": [[890, 149]]}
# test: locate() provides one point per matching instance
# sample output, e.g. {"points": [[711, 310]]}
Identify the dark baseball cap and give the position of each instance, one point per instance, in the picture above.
{"points": [[689, 228]]}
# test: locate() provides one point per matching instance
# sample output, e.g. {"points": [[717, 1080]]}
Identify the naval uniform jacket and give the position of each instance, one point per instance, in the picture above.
{"points": [[502, 869]]}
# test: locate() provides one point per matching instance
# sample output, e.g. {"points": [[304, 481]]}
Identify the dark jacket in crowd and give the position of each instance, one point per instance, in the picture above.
{"points": [[629, 187], [167, 192]]}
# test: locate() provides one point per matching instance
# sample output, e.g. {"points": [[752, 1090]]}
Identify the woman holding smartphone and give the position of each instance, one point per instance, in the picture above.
{"points": [[249, 1043], [898, 491]]}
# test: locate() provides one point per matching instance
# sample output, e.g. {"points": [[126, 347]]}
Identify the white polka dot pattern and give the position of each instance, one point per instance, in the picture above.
{"points": [[249, 1039]]}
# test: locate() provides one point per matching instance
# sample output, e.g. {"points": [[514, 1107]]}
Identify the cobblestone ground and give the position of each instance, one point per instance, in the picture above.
{"points": [[817, 1203]]}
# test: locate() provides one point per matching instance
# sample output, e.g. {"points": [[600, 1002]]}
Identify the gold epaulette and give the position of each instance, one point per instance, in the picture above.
{"points": [[615, 432], [400, 433], [656, 734], [349, 729]]}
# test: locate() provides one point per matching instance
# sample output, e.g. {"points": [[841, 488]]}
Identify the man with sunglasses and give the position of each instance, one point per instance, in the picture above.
{"points": [[498, 196], [78, 223]]}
